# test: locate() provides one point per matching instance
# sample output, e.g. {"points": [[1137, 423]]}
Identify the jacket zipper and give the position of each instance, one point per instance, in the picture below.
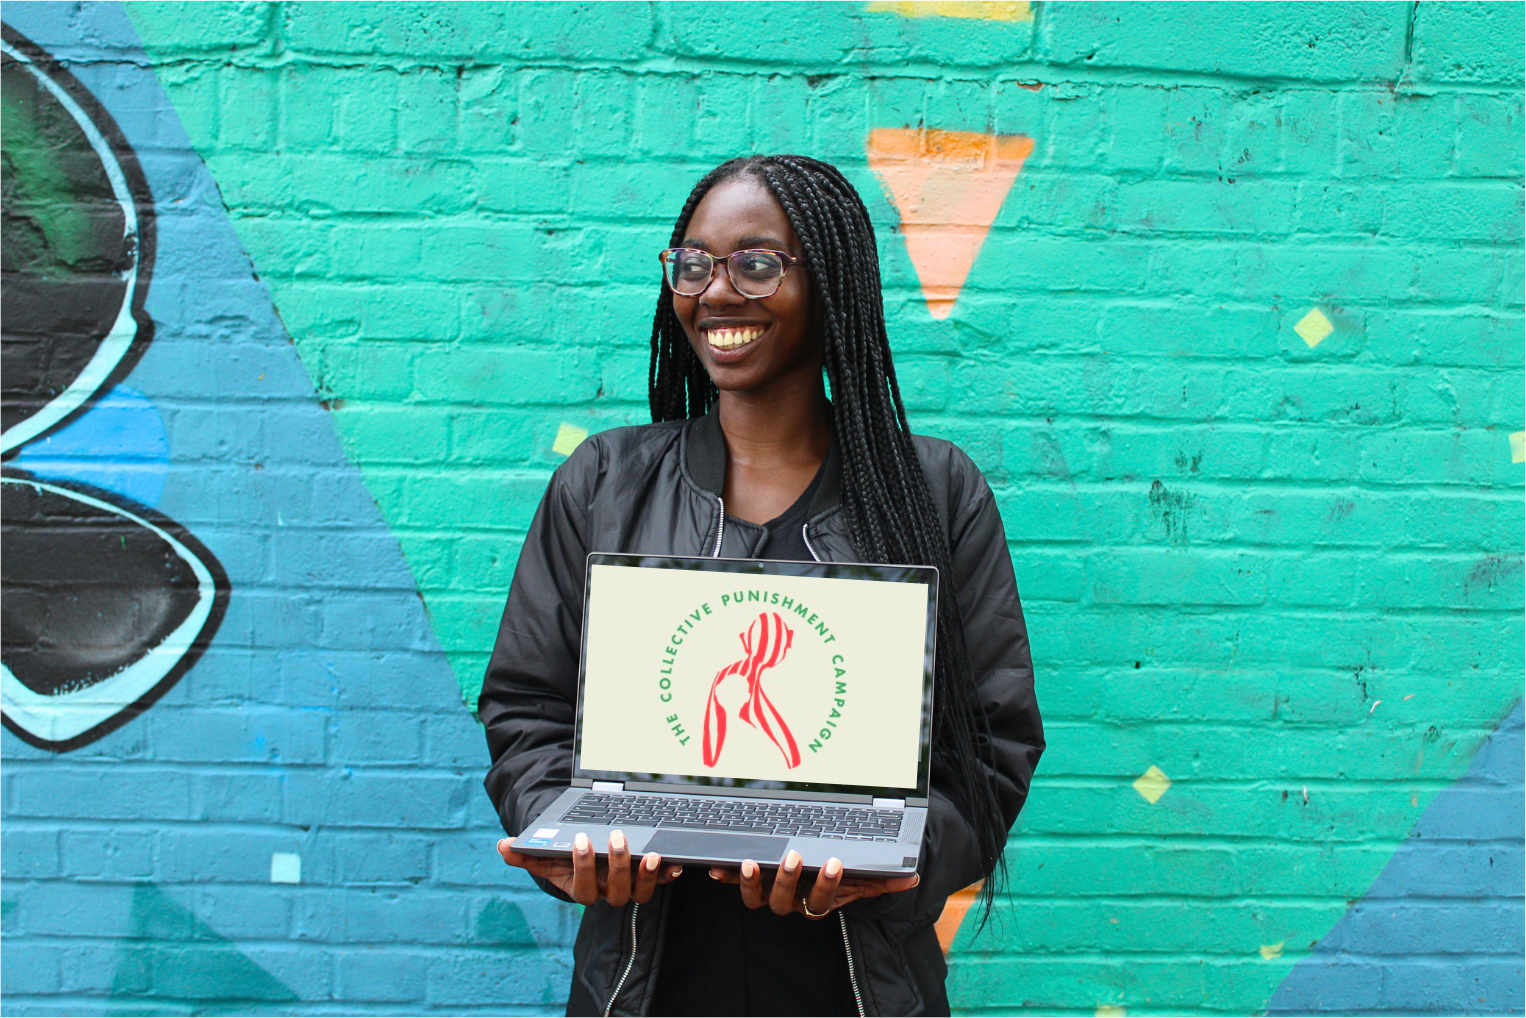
{"points": [[858, 998], [807, 539], [842, 920], [636, 907]]}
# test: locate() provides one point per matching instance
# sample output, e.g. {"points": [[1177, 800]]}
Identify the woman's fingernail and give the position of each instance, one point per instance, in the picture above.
{"points": [[502, 843], [674, 873], [651, 862], [715, 874], [832, 868], [748, 868], [617, 841], [792, 861], [581, 844]]}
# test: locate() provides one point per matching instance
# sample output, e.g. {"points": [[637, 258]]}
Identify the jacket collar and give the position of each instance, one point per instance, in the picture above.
{"points": [[705, 458]]}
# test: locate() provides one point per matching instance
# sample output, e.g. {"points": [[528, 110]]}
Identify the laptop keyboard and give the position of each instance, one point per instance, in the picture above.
{"points": [[706, 814]]}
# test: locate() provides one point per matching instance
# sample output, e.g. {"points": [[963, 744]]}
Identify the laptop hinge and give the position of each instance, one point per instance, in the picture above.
{"points": [[609, 786], [890, 803]]}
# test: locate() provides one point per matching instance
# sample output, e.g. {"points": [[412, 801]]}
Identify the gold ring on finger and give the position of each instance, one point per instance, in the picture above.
{"points": [[813, 915]]}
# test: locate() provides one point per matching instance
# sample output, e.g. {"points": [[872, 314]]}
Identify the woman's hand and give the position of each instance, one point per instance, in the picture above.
{"points": [[585, 879], [784, 891]]}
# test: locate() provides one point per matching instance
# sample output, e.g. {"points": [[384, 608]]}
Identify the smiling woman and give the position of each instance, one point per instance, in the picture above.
{"points": [[752, 330], [771, 293]]}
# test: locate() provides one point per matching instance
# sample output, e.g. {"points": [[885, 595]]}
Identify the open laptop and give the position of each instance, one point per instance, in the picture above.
{"points": [[734, 709]]}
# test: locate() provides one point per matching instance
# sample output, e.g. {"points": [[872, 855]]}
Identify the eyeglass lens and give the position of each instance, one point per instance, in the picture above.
{"points": [[753, 273]]}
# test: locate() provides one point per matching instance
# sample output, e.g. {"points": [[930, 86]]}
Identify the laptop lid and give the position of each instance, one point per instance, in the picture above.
{"points": [[805, 680]]}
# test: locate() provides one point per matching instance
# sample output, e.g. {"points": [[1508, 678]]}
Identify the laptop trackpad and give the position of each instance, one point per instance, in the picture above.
{"points": [[702, 846]]}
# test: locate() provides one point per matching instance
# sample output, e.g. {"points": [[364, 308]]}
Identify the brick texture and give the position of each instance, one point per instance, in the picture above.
{"points": [[1290, 577]]}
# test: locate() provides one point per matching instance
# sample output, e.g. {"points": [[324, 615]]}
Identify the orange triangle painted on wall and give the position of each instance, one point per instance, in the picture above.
{"points": [[948, 187]]}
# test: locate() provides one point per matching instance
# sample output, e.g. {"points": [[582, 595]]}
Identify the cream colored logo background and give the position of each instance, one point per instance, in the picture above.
{"points": [[880, 630]]}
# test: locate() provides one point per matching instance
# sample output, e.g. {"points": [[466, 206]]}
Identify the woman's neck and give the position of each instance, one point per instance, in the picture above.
{"points": [[775, 443], [787, 427]]}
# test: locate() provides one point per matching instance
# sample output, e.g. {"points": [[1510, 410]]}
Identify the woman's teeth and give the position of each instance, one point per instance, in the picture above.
{"points": [[730, 339]]}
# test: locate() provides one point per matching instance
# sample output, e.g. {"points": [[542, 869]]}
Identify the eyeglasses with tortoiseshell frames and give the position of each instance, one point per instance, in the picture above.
{"points": [[755, 272]]}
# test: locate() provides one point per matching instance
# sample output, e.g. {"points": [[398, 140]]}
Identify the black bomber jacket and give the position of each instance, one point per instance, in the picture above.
{"points": [[655, 490]]}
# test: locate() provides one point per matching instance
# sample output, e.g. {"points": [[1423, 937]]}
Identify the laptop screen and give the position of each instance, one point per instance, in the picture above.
{"points": [[812, 677]]}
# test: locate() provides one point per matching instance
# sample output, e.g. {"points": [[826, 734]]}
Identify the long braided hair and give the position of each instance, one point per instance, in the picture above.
{"points": [[885, 496]]}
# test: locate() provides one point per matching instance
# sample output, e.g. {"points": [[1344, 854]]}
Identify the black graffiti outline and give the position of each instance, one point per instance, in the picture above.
{"points": [[50, 70], [221, 592], [138, 206]]}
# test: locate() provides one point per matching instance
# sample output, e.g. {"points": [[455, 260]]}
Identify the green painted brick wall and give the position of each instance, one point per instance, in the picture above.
{"points": [[1231, 545]]}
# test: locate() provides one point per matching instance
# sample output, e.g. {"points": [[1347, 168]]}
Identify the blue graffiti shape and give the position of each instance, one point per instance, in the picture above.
{"points": [[119, 445], [1441, 931], [106, 603]]}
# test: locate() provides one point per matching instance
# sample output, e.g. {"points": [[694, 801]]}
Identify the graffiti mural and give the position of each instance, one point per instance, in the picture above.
{"points": [[106, 602], [296, 824]]}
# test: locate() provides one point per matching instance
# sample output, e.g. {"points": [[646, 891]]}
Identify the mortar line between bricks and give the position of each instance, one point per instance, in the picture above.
{"points": [[1255, 785], [1471, 492], [660, 64], [636, 219], [443, 949], [1302, 241], [1297, 671], [1199, 726], [1143, 724], [224, 768], [1247, 956], [972, 307], [84, 1004], [1058, 423], [568, 221], [1057, 172], [1181, 300], [1315, 610], [1124, 724], [1021, 1006], [1038, 842]]}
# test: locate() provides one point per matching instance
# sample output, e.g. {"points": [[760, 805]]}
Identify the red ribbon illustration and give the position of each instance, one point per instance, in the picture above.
{"points": [[766, 642]]}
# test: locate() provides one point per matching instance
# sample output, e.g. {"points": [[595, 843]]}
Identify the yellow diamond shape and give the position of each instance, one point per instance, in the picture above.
{"points": [[568, 438], [1270, 951], [1152, 784], [989, 10], [1518, 447], [1314, 327]]}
